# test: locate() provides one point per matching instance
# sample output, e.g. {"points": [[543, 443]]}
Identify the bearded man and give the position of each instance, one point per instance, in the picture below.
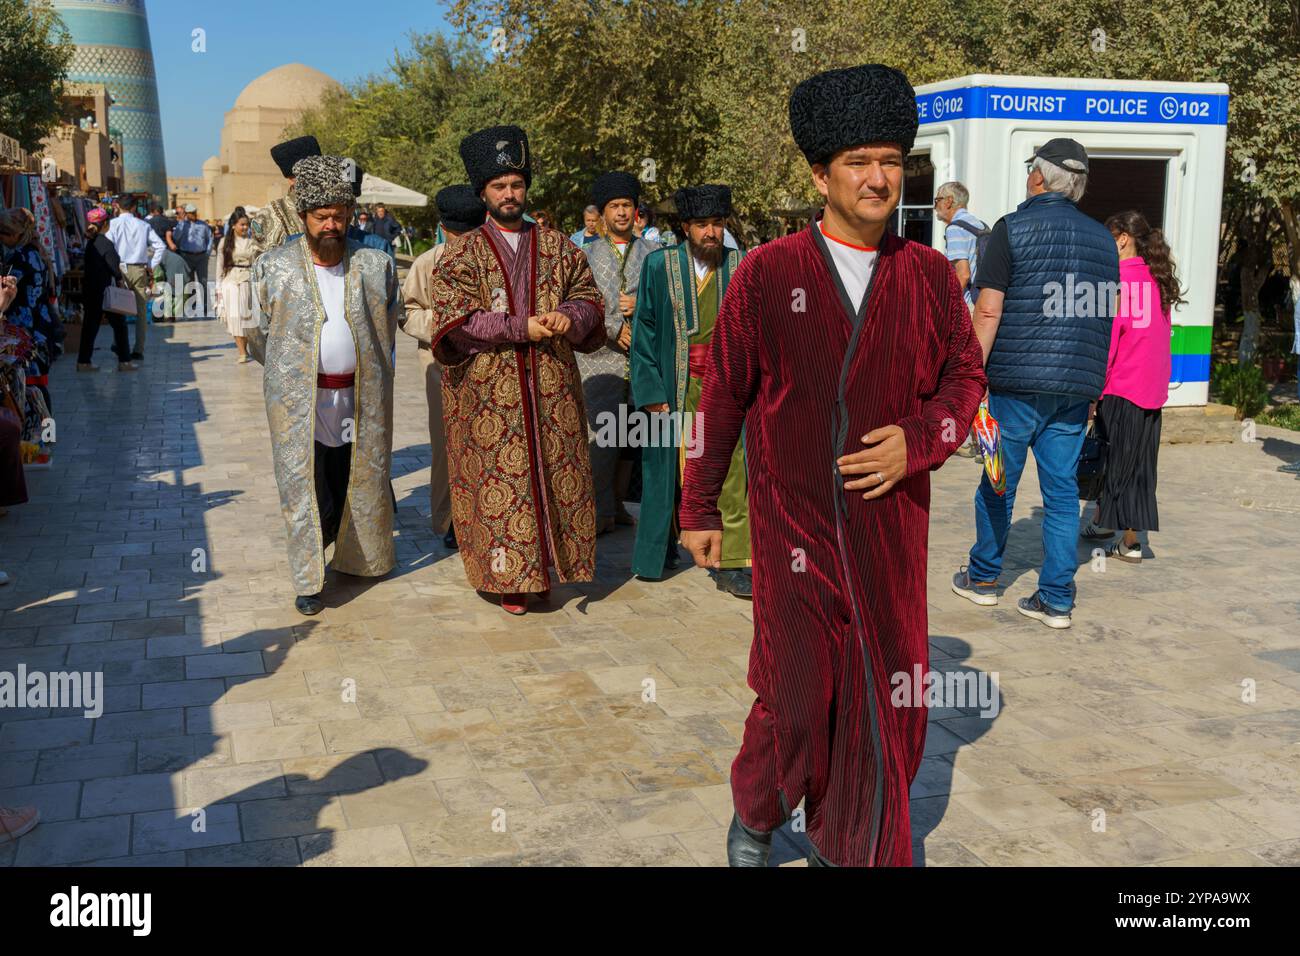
{"points": [[512, 302], [328, 314]]}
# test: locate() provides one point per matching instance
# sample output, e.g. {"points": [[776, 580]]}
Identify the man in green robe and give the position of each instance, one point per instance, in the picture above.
{"points": [[677, 304]]}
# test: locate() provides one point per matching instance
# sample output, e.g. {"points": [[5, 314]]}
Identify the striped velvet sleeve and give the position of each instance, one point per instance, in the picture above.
{"points": [[945, 417]]}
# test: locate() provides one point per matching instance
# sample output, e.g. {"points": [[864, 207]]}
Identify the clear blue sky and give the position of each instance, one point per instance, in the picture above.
{"points": [[245, 38]]}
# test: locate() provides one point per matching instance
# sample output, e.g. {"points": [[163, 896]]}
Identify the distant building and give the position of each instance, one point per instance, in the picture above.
{"points": [[84, 155], [183, 190], [243, 174], [114, 50]]}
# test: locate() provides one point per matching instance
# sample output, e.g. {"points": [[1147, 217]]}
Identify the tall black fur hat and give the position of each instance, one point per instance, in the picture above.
{"points": [[850, 107], [459, 208], [703, 202], [289, 152], [611, 186], [494, 152]]}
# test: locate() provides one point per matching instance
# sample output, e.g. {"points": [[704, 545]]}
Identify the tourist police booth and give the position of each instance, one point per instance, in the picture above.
{"points": [[1155, 147]]}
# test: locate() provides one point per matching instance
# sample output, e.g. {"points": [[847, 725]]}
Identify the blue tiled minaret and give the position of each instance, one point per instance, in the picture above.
{"points": [[113, 48]]}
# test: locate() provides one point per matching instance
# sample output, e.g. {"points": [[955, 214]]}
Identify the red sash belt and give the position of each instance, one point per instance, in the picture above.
{"points": [[343, 380], [698, 359], [38, 380]]}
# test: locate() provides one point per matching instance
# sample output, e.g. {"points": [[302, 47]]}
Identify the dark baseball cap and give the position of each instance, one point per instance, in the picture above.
{"points": [[1063, 152]]}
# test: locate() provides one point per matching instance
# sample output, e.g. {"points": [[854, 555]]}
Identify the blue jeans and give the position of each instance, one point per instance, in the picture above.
{"points": [[1053, 426]]}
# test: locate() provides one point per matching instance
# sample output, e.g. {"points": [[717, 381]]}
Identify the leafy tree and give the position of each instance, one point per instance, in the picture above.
{"points": [[689, 91], [406, 126], [1252, 45], [35, 51]]}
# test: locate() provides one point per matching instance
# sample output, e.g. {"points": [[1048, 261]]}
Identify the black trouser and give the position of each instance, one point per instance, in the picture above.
{"points": [[197, 265], [333, 469], [93, 306]]}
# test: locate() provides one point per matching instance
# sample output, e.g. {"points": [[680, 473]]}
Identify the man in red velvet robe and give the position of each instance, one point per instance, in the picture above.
{"points": [[848, 355]]}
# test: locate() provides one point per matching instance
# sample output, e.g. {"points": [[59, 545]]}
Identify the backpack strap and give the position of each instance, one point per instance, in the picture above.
{"points": [[971, 229]]}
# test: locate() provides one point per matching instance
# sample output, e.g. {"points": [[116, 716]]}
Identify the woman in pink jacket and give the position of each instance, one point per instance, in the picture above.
{"points": [[1137, 385]]}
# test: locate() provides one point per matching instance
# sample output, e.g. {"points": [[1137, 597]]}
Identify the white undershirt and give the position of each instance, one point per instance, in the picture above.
{"points": [[512, 237], [854, 264], [701, 268], [338, 356]]}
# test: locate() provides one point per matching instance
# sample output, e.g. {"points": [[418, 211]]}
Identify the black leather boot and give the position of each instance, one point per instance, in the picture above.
{"points": [[736, 582], [746, 847], [309, 604]]}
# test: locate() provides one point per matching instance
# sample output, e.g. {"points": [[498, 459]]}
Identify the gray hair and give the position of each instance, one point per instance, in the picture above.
{"points": [[1057, 179], [591, 209], [955, 191]]}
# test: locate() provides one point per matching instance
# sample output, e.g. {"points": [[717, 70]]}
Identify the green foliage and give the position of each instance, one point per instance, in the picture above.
{"points": [[1241, 386], [406, 125], [35, 51], [1283, 416], [689, 91]]}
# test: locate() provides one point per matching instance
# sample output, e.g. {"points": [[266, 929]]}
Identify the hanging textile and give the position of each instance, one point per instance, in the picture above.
{"points": [[47, 231]]}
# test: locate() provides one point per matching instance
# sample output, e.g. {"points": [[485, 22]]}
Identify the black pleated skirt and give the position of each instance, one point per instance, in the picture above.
{"points": [[1129, 497]]}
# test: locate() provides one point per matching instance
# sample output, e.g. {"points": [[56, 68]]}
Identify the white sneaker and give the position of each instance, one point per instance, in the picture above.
{"points": [[1035, 608], [1095, 532], [1120, 551]]}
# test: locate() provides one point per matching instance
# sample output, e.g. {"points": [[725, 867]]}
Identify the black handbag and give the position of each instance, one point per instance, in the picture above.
{"points": [[1091, 471]]}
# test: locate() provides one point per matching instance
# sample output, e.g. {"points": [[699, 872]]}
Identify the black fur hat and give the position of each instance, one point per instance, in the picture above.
{"points": [[703, 202], [611, 186], [850, 107], [459, 208], [289, 152], [495, 151]]}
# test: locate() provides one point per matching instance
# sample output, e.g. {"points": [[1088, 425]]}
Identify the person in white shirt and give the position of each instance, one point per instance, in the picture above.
{"points": [[328, 311], [141, 252]]}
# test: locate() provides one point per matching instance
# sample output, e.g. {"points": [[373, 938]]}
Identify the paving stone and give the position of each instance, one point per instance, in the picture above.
{"points": [[76, 841], [56, 801], [282, 852], [86, 762], [290, 816], [170, 831], [130, 794]]}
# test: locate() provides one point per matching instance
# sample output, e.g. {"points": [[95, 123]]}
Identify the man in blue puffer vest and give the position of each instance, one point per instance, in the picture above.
{"points": [[1048, 284]]}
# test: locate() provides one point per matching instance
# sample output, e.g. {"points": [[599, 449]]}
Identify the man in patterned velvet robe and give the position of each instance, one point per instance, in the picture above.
{"points": [[511, 303], [848, 355]]}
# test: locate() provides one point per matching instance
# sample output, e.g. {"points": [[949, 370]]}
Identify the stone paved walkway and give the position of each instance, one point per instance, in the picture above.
{"points": [[473, 737]]}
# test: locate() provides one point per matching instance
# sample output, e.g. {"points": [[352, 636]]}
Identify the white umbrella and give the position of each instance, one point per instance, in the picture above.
{"points": [[376, 190]]}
